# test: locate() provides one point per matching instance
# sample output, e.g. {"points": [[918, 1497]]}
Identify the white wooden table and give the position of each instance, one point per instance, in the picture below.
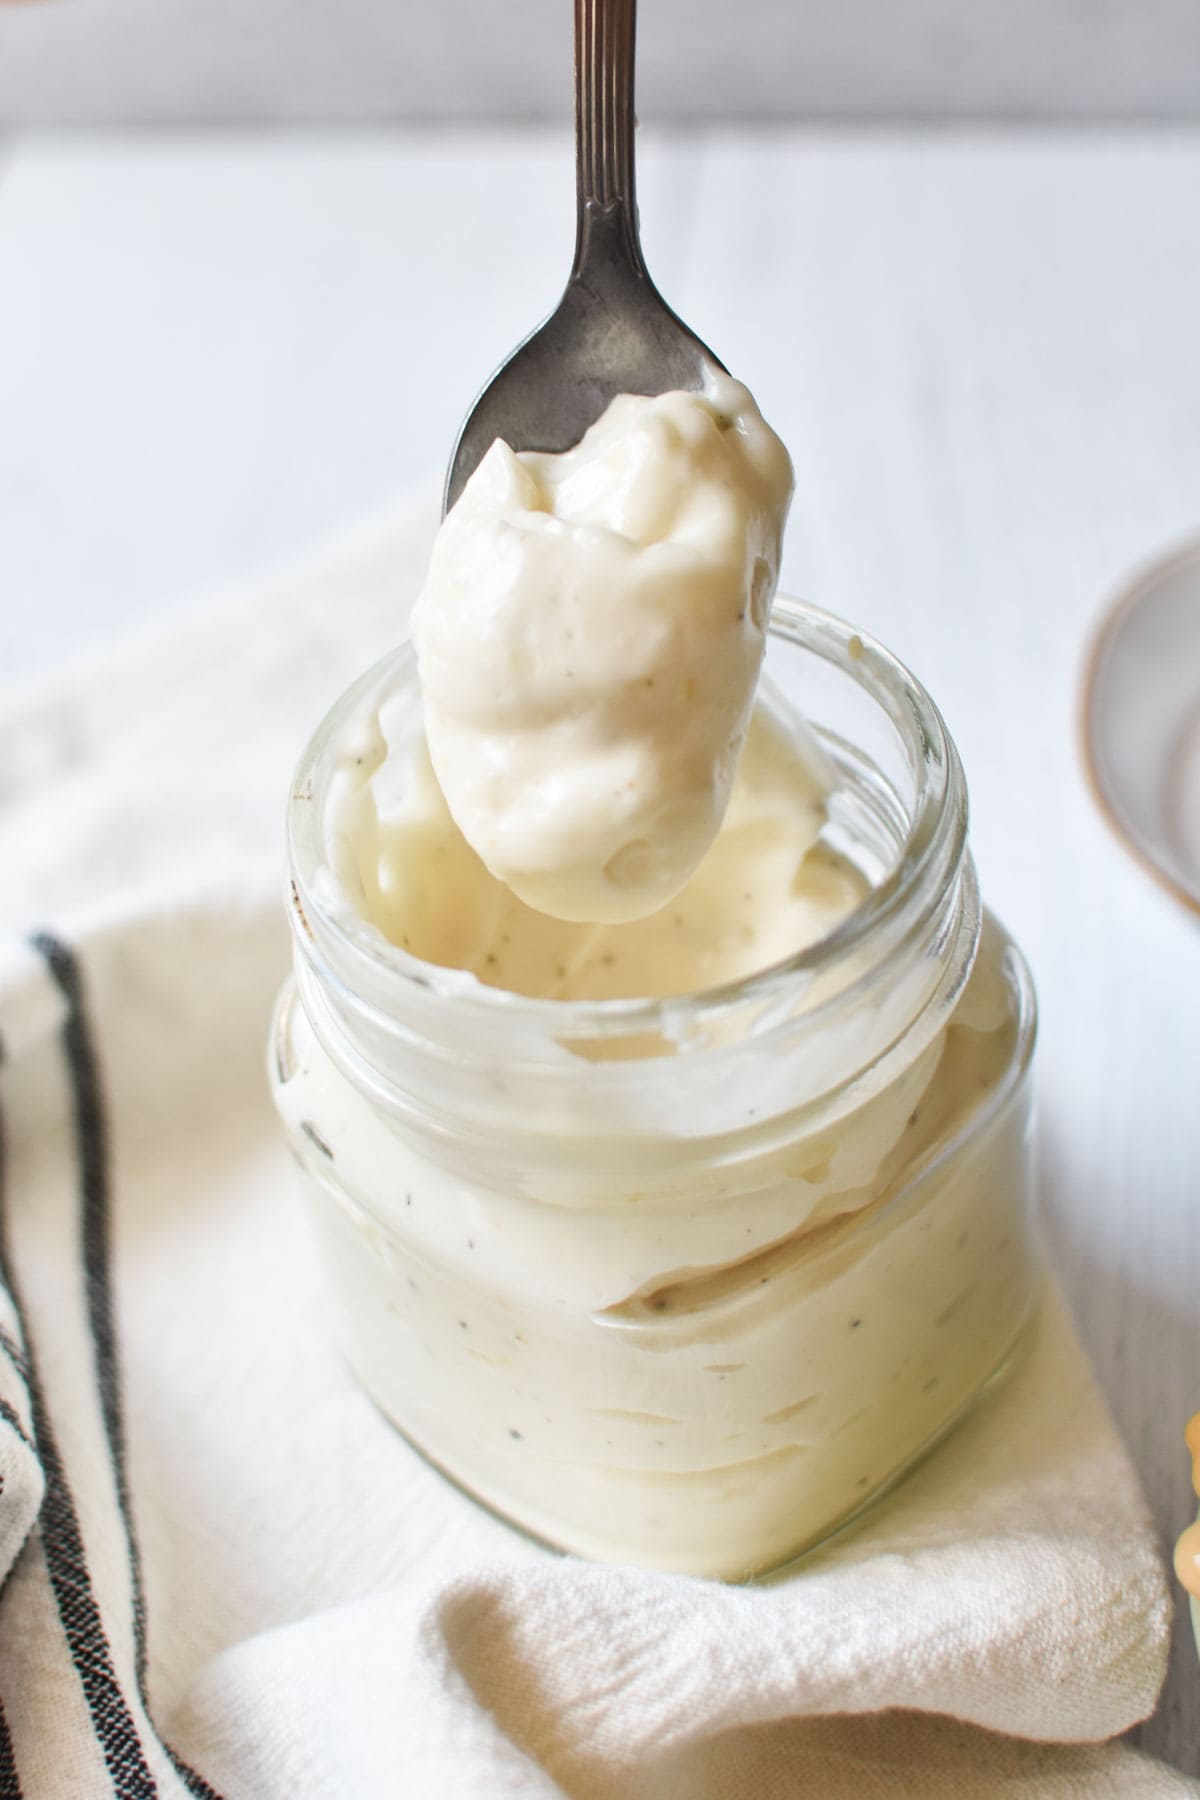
{"points": [[984, 353]]}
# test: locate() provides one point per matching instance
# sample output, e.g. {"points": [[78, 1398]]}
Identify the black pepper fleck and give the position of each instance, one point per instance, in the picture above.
{"points": [[514, 1433]]}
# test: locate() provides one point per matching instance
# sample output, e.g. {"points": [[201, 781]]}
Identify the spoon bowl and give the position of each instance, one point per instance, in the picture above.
{"points": [[612, 332]]}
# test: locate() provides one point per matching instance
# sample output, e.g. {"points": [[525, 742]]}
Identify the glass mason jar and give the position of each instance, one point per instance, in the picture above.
{"points": [[681, 1282]]}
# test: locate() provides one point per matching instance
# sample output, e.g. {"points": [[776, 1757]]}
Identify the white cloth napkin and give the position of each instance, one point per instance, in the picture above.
{"points": [[213, 1542]]}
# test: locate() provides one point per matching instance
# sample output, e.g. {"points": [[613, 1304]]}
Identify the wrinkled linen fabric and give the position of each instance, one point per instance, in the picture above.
{"points": [[224, 1574]]}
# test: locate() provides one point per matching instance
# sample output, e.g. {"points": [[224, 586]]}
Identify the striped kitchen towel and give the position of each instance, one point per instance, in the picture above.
{"points": [[91, 1679], [223, 1574]]}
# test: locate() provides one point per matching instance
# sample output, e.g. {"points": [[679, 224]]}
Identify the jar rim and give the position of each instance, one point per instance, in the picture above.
{"points": [[358, 957]]}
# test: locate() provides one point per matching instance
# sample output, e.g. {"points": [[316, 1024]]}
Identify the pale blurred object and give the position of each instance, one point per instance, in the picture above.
{"points": [[1141, 720], [1187, 1550]]}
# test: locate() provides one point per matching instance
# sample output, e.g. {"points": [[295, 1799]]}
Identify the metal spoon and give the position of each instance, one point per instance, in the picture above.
{"points": [[612, 332]]}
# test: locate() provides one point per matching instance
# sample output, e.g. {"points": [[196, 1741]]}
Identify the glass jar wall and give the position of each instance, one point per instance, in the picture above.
{"points": [[681, 1282]]}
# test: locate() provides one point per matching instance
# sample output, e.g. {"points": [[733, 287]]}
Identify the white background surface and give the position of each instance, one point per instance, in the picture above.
{"points": [[136, 61], [983, 352]]}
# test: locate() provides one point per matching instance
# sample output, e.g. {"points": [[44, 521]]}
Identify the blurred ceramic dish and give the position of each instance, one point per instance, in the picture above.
{"points": [[1141, 720]]}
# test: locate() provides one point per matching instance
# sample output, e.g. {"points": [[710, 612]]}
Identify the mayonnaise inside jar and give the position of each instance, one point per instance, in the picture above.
{"points": [[767, 888], [675, 1238]]}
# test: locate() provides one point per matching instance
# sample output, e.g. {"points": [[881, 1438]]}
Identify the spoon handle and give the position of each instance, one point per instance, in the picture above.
{"points": [[606, 211]]}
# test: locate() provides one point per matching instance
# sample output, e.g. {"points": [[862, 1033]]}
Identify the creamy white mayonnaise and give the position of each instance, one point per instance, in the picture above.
{"points": [[701, 1369], [651, 1358], [766, 888], [589, 638]]}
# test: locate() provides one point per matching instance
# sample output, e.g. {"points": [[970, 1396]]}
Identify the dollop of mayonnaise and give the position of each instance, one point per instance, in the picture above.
{"points": [[589, 637]]}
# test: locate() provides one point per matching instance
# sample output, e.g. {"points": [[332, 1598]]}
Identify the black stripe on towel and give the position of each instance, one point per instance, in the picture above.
{"points": [[66, 1564], [14, 1353], [10, 1781], [9, 1414], [92, 1140], [92, 1146]]}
